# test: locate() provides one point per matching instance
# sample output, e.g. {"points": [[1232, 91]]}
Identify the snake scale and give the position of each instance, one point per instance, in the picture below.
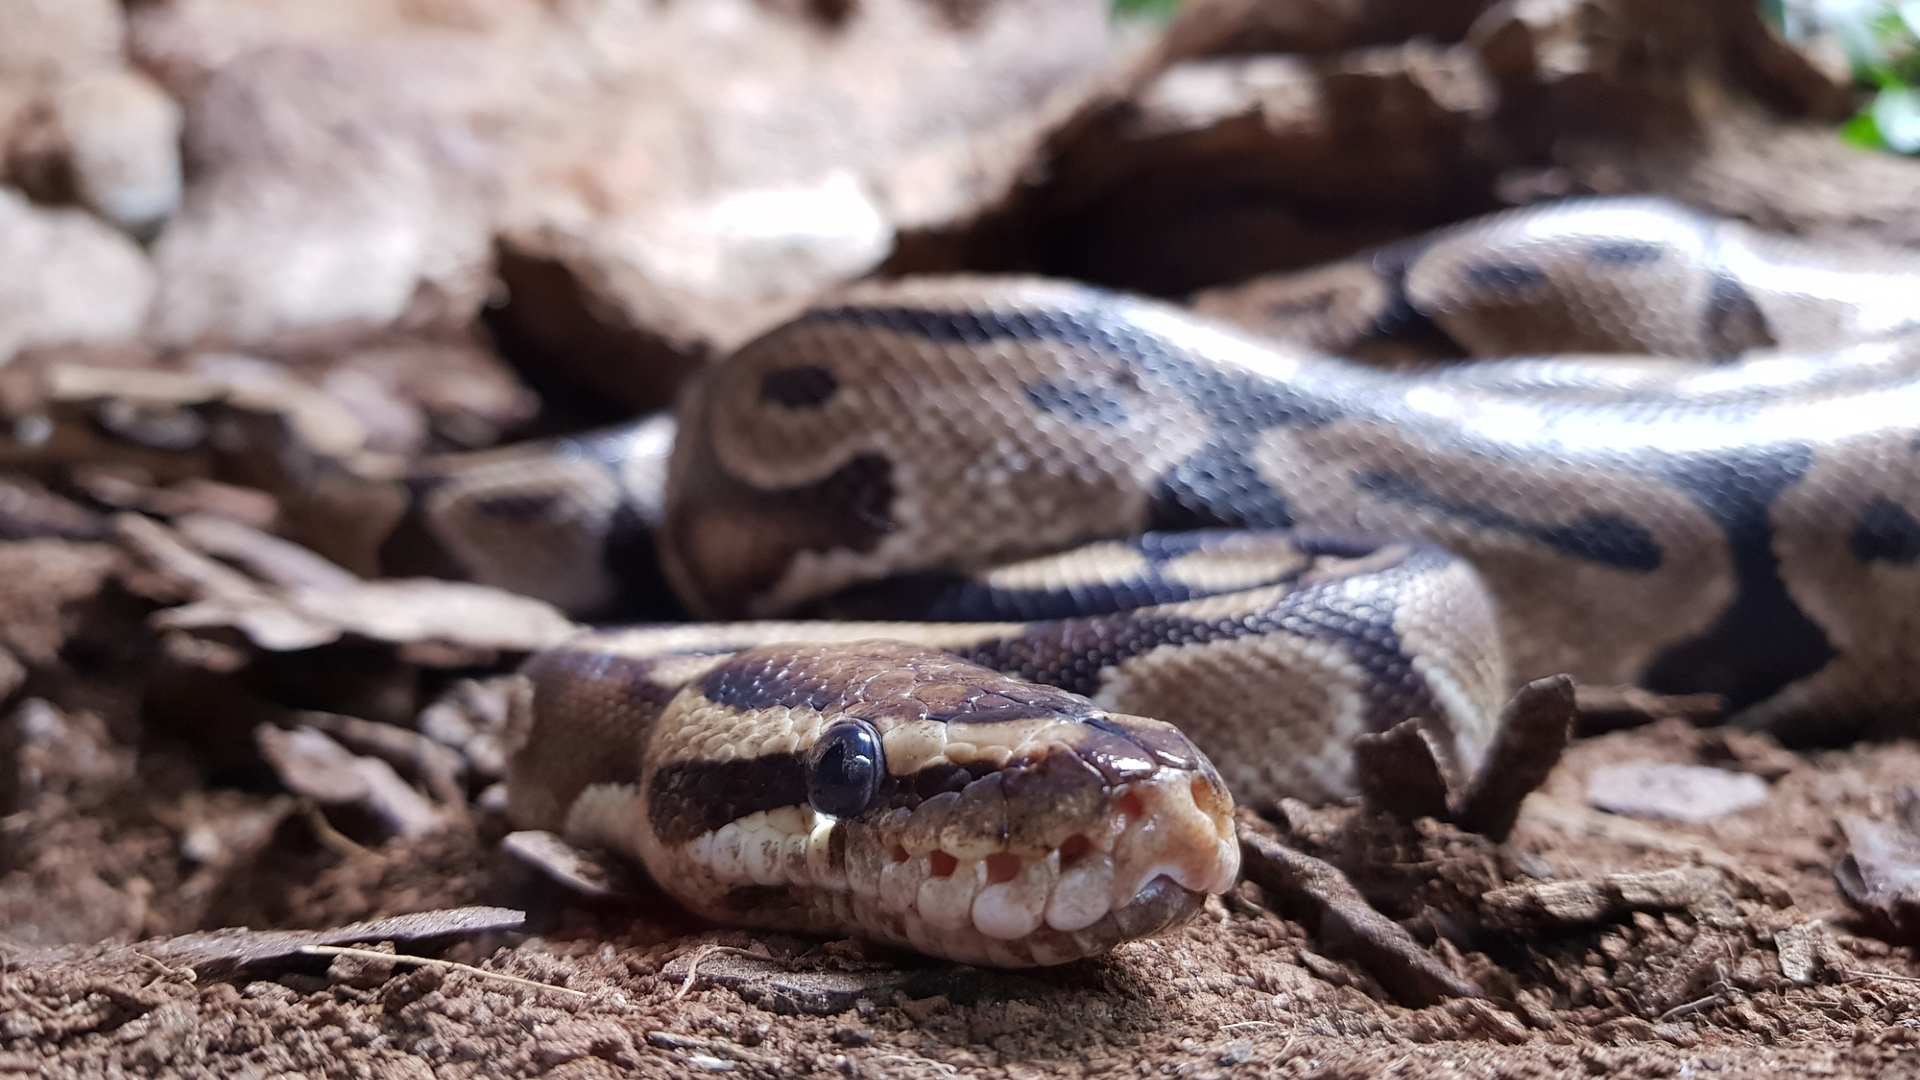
{"points": [[1267, 550]]}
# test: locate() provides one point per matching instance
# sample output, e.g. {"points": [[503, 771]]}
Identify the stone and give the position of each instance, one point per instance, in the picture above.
{"points": [[668, 178], [317, 212], [1677, 792], [123, 141], [67, 278]]}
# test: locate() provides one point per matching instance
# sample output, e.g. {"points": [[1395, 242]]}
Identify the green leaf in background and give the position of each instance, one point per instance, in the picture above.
{"points": [[1896, 115], [1881, 39], [1861, 131], [1159, 11]]}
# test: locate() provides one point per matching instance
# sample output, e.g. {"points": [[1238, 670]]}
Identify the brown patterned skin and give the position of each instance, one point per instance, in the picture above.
{"points": [[1748, 529], [1603, 275]]}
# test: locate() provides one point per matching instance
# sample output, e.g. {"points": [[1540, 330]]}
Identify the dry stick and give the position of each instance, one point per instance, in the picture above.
{"points": [[422, 961], [184, 974], [1691, 1007], [700, 954], [331, 838], [1853, 973]]}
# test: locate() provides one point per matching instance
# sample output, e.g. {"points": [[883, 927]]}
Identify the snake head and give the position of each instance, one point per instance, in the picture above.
{"points": [[933, 803]]}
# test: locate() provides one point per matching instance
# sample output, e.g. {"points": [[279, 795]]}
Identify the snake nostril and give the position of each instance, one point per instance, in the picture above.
{"points": [[941, 864], [1076, 848], [1132, 805], [1002, 867], [1203, 795]]}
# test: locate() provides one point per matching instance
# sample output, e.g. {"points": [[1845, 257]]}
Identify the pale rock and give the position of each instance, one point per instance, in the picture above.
{"points": [[67, 278], [123, 139], [764, 243], [688, 172], [312, 217]]}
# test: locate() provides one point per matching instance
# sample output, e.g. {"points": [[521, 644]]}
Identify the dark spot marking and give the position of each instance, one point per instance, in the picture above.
{"points": [[1217, 486], [1626, 252], [1734, 322], [1355, 613], [1091, 404], [1102, 322], [1504, 277], [690, 798], [849, 510], [1762, 641], [1887, 532], [798, 387], [1608, 539], [518, 507]]}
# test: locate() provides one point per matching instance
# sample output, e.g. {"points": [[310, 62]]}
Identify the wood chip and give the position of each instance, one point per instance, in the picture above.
{"points": [[218, 953], [276, 561], [1880, 874], [310, 602], [1533, 905], [310, 763], [1533, 731], [1398, 773], [1321, 898], [1799, 954]]}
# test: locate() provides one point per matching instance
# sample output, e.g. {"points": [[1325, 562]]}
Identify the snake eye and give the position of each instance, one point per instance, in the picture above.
{"points": [[845, 768]]}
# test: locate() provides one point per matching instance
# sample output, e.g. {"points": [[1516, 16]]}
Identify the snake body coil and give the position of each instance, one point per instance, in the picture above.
{"points": [[1746, 529]]}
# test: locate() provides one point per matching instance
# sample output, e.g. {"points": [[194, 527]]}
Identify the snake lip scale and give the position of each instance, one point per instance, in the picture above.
{"points": [[1155, 513]]}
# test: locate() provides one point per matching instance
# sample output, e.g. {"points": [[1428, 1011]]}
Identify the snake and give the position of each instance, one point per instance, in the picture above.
{"points": [[1018, 517]]}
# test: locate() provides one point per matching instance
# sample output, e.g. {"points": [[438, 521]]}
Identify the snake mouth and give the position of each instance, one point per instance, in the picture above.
{"points": [[1157, 841], [1145, 862]]}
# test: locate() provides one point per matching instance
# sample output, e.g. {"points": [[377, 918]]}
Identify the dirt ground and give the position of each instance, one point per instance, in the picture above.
{"points": [[639, 990]]}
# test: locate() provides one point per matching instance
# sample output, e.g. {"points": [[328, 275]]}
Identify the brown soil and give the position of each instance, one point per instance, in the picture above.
{"points": [[1240, 992]]}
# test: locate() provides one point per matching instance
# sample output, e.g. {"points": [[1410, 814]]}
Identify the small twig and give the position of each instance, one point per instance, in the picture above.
{"points": [[1853, 973], [331, 838], [693, 965], [1248, 1023], [1691, 1007], [422, 961], [184, 974]]}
